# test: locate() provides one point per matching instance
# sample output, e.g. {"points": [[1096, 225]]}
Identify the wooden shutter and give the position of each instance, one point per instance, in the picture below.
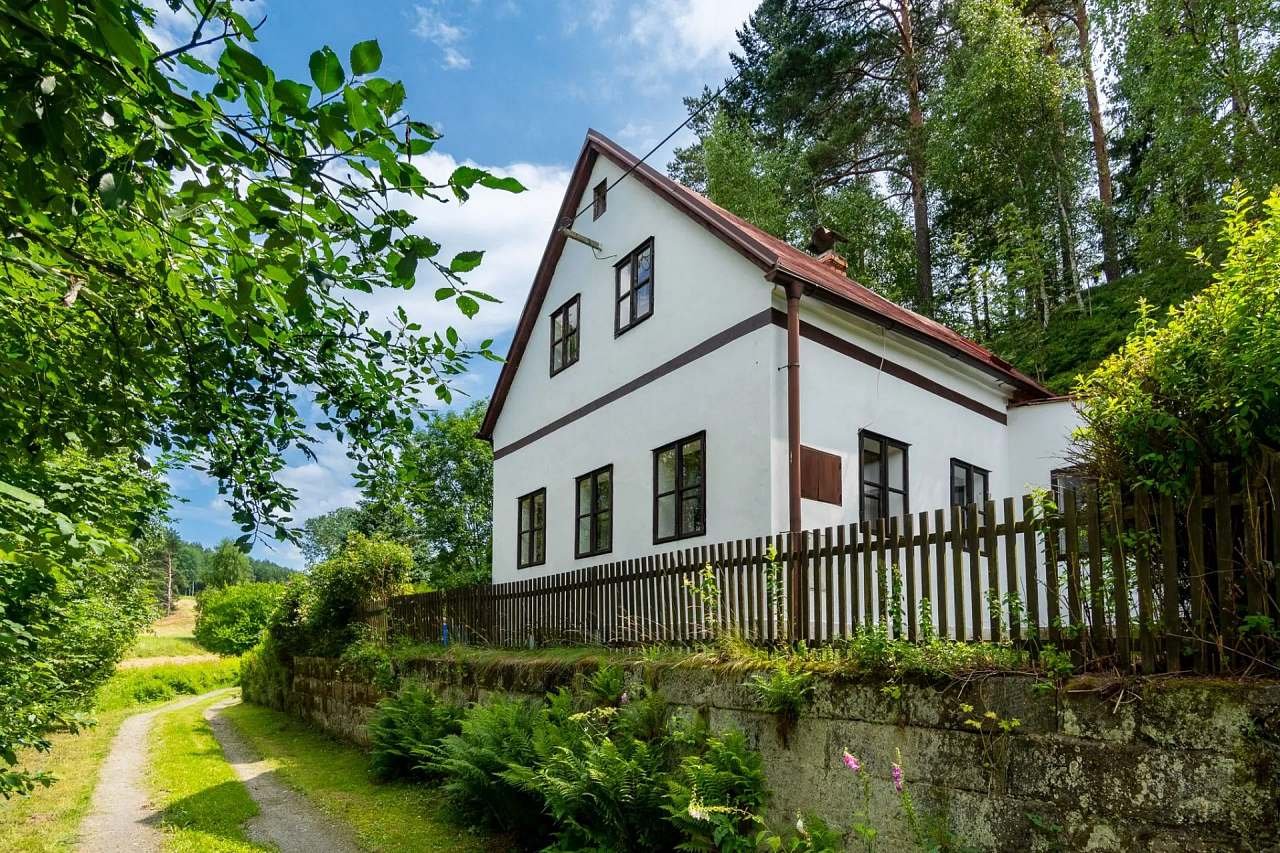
{"points": [[820, 476]]}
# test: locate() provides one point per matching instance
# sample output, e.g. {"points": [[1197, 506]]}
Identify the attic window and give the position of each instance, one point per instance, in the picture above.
{"points": [[600, 199], [634, 291], [564, 335]]}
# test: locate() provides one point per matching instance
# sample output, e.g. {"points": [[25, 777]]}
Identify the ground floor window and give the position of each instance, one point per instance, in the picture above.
{"points": [[532, 549], [883, 475], [679, 489], [594, 533]]}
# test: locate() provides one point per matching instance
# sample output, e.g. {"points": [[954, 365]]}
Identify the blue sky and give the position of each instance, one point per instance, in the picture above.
{"points": [[513, 86]]}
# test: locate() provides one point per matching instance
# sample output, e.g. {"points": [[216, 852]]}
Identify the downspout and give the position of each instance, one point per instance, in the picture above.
{"points": [[795, 602]]}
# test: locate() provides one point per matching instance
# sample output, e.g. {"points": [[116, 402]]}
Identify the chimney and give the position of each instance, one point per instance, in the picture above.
{"points": [[835, 260]]}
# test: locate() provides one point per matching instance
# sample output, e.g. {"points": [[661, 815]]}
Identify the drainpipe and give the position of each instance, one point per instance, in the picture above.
{"points": [[794, 614]]}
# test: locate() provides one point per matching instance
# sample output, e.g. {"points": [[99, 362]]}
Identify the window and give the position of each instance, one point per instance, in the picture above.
{"points": [[883, 475], [635, 288], [820, 476], [600, 199], [564, 335], [594, 534], [532, 548], [679, 489], [969, 485]]}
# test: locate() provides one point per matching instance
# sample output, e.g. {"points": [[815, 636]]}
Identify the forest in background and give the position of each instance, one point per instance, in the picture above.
{"points": [[1025, 172]]}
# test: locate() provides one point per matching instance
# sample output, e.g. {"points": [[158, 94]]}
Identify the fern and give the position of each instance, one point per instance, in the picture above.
{"points": [[406, 728], [715, 798]]}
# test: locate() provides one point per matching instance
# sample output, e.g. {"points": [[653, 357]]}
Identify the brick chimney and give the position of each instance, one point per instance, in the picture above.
{"points": [[835, 260]]}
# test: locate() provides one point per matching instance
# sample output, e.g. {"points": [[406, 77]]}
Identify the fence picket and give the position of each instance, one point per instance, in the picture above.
{"points": [[957, 571], [1169, 598], [1142, 522], [1224, 618], [995, 609], [908, 536], [1029, 551], [1097, 613]]}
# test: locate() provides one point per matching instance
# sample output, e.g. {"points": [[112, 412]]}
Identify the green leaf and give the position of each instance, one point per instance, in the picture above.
{"points": [[21, 494], [123, 43], [406, 267], [467, 305], [466, 261], [242, 63], [293, 95], [510, 185], [326, 70], [443, 293], [366, 57]]}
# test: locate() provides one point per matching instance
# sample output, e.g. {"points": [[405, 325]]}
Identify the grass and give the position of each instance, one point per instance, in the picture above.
{"points": [[163, 647], [171, 635], [335, 777], [48, 819], [203, 806]]}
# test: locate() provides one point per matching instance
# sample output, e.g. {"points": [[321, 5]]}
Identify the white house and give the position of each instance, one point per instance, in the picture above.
{"points": [[696, 380]]}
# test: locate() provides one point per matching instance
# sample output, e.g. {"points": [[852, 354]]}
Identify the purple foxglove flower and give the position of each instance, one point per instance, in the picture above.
{"points": [[625, 698], [851, 761], [897, 777]]}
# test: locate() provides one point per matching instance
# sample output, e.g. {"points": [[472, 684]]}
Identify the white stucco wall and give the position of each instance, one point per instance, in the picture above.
{"points": [[701, 286], [1039, 440], [729, 384]]}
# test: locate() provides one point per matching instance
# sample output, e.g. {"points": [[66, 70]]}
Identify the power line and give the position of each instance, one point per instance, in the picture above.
{"points": [[681, 126]]}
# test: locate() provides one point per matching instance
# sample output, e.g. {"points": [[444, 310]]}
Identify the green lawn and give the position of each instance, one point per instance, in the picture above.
{"points": [[157, 647], [335, 776], [203, 806]]}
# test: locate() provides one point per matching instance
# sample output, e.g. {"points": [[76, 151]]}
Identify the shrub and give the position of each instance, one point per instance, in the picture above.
{"points": [[230, 620], [159, 683], [1202, 387], [368, 659], [320, 614], [265, 676], [406, 731], [715, 797]]}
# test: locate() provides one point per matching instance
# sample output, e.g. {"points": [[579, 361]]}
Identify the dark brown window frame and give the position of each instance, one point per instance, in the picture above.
{"points": [[599, 199], [563, 343], [971, 471], [592, 514], [532, 531], [679, 489], [883, 484], [629, 262]]}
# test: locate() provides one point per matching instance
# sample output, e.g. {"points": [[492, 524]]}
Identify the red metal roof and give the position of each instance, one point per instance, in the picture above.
{"points": [[776, 257]]}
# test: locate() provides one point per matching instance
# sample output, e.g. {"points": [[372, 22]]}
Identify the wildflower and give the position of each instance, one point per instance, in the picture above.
{"points": [[897, 777], [696, 809], [851, 761], [625, 698], [800, 823]]}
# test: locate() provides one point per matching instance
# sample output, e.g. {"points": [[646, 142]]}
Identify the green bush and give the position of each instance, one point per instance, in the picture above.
{"points": [[265, 675], [406, 731], [146, 685], [1203, 387], [230, 620], [319, 614]]}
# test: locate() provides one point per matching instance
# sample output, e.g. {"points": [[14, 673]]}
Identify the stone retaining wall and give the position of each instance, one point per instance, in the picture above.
{"points": [[1178, 764]]}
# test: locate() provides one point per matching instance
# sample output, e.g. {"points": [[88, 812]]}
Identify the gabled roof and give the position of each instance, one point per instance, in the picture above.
{"points": [[778, 259]]}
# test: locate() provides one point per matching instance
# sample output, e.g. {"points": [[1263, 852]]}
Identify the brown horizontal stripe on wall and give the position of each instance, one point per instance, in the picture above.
{"points": [[711, 344], [835, 342]]}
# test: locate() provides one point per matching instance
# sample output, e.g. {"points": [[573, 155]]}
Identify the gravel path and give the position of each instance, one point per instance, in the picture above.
{"points": [[121, 816], [286, 818]]}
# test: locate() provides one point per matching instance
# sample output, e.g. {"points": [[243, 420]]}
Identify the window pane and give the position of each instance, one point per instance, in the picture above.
{"points": [[604, 490], [524, 514], [539, 511], [666, 517], [959, 485], [897, 505], [871, 460], [644, 299], [980, 487], [584, 496], [624, 280], [690, 514], [573, 348], [691, 464], [644, 265], [871, 504], [539, 546], [557, 328], [666, 470], [896, 462], [573, 316], [524, 548], [584, 535], [604, 531], [557, 357]]}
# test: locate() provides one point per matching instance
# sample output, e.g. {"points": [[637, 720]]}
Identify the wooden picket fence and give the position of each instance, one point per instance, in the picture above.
{"points": [[1126, 581]]}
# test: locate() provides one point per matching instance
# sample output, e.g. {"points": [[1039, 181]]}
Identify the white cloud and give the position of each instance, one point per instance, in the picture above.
{"points": [[671, 38], [430, 24]]}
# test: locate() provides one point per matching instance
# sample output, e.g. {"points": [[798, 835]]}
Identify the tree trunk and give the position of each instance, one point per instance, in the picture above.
{"points": [[168, 580], [1102, 159], [916, 162]]}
